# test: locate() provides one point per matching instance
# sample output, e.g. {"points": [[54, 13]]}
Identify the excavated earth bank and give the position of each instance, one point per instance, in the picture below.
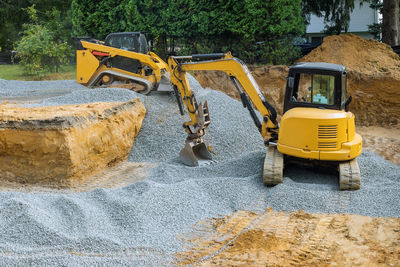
{"points": [[64, 145]]}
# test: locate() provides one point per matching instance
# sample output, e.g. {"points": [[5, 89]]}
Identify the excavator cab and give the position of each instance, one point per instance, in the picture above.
{"points": [[318, 85]]}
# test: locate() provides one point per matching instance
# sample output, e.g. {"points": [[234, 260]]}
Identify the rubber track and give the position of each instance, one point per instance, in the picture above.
{"points": [[349, 175], [273, 167]]}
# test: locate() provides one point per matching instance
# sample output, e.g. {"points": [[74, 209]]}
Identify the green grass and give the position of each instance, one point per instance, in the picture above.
{"points": [[16, 72]]}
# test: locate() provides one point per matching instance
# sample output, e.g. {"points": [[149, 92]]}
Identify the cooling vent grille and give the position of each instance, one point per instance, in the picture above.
{"points": [[327, 144], [327, 132]]}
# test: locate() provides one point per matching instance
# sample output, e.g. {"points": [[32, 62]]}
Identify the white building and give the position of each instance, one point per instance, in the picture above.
{"points": [[360, 18]]}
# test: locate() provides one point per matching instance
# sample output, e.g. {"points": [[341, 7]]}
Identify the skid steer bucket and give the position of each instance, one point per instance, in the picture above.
{"points": [[194, 152]]}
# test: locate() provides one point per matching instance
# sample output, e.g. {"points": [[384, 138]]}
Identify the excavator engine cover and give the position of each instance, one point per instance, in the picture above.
{"points": [[194, 152]]}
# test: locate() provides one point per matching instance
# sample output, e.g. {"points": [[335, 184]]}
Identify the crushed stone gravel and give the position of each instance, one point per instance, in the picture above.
{"points": [[38, 88], [139, 224]]}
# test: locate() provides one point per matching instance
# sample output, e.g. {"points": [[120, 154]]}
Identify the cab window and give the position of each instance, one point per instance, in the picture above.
{"points": [[315, 88], [125, 42], [143, 44]]}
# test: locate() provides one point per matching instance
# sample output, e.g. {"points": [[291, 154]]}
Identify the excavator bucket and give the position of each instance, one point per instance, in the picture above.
{"points": [[194, 153]]}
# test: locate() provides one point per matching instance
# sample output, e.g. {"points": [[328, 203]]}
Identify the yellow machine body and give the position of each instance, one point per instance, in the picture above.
{"points": [[95, 60], [86, 66], [315, 125], [321, 134]]}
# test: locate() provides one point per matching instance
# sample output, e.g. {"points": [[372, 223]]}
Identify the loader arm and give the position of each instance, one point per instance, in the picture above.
{"points": [[246, 85]]}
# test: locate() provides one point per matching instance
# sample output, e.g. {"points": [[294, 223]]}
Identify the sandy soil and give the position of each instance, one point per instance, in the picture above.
{"points": [[383, 141], [292, 239]]}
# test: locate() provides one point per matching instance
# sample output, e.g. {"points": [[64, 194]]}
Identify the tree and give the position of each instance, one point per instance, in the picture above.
{"points": [[37, 48], [336, 14], [98, 18], [390, 22], [376, 28], [149, 16], [198, 25], [12, 17]]}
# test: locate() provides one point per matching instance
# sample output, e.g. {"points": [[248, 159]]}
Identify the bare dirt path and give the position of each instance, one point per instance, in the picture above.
{"points": [[293, 239]]}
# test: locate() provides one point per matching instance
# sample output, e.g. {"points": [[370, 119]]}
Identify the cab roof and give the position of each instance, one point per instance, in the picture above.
{"points": [[315, 66], [125, 33]]}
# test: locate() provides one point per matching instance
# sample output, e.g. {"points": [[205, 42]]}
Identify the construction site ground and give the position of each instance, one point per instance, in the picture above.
{"points": [[153, 211]]}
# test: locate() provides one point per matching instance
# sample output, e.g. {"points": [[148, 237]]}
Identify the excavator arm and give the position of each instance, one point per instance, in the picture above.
{"points": [[246, 85]]}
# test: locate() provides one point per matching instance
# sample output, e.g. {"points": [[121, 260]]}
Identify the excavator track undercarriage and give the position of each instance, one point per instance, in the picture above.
{"points": [[273, 167], [349, 175]]}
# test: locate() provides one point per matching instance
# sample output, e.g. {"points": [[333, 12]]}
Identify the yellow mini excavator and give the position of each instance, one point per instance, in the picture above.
{"points": [[123, 58], [316, 125]]}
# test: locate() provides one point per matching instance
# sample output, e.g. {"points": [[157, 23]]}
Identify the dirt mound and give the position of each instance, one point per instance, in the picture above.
{"points": [[374, 76], [383, 141], [291, 239], [367, 57], [271, 79]]}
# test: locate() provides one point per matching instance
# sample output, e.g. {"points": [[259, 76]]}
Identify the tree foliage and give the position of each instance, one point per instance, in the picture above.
{"points": [[336, 13], [37, 49], [13, 16], [376, 28], [198, 26]]}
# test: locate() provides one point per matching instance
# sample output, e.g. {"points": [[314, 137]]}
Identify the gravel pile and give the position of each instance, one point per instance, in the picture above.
{"points": [[16, 89], [139, 224]]}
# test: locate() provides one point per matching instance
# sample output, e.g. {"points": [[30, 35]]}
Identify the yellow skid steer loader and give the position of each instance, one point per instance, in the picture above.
{"points": [[123, 58]]}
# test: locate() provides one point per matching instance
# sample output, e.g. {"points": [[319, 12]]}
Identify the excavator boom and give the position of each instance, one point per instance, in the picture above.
{"points": [[199, 115]]}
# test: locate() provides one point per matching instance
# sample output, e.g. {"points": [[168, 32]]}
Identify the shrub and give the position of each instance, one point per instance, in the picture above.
{"points": [[37, 49]]}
